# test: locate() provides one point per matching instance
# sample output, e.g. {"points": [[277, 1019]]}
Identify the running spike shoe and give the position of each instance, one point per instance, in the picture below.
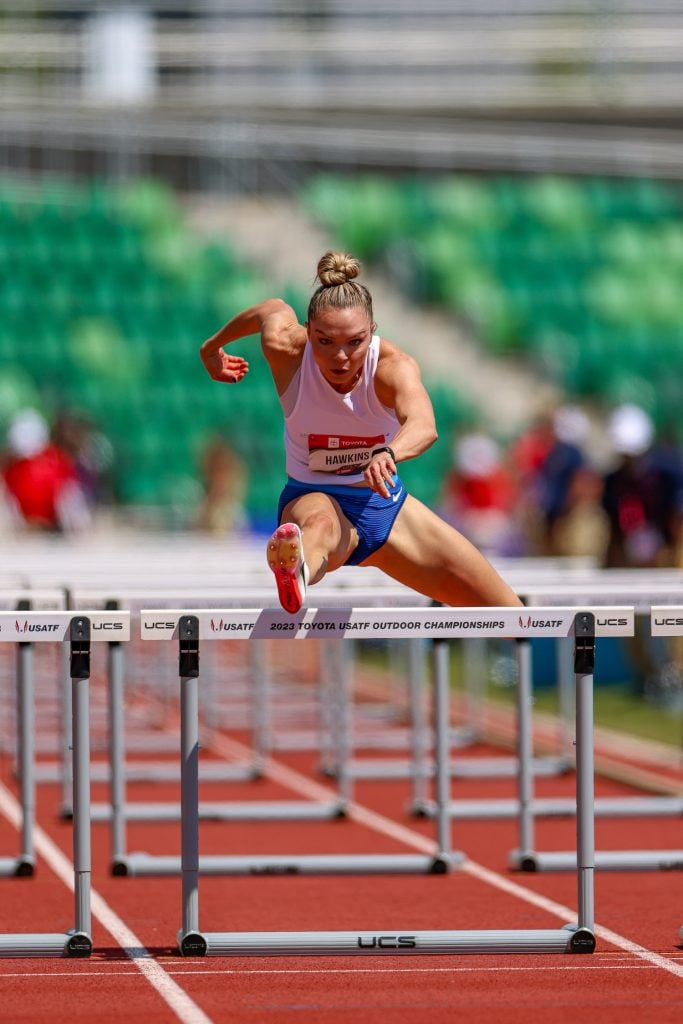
{"points": [[285, 555]]}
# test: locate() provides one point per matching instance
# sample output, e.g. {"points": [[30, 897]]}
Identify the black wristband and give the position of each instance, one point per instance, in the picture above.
{"points": [[384, 448]]}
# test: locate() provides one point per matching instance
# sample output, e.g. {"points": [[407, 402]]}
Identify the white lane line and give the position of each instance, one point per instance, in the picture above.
{"points": [[514, 889], [178, 1001], [236, 971], [289, 777]]}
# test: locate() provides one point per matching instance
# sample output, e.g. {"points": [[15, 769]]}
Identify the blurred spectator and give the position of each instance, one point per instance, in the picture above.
{"points": [[559, 504], [582, 529], [90, 452], [527, 455], [643, 494], [479, 495], [40, 479], [225, 485], [643, 499]]}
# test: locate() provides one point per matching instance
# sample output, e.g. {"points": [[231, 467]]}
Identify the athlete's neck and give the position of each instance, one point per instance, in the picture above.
{"points": [[344, 389]]}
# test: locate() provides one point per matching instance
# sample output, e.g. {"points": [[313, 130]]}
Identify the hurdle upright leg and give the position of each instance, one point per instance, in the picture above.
{"points": [[66, 736], [419, 743], [442, 778], [585, 775], [80, 943], [24, 863], [566, 699], [192, 943], [342, 737], [117, 753], [26, 738], [525, 778]]}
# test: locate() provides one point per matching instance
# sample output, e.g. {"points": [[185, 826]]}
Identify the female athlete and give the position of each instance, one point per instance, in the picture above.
{"points": [[354, 407]]}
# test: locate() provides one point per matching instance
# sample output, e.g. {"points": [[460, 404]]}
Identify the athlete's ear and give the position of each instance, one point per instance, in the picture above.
{"points": [[373, 326]]}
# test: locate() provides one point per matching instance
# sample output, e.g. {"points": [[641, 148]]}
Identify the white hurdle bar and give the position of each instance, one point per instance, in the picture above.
{"points": [[79, 631], [190, 628]]}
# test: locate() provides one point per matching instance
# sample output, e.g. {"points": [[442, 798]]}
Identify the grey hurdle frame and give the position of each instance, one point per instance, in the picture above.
{"points": [[79, 631], [440, 625], [662, 622], [120, 810], [22, 601]]}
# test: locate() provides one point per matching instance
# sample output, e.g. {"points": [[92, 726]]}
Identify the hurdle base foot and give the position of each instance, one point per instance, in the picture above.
{"points": [[420, 811], [119, 869], [192, 944], [441, 866], [24, 868], [582, 940], [525, 860], [78, 946]]}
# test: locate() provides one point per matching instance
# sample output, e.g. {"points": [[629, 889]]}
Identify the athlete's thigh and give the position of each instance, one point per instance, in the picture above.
{"points": [[321, 514], [430, 556]]}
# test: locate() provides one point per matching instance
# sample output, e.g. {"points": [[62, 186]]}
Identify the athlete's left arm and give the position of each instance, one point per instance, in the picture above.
{"points": [[398, 385]]}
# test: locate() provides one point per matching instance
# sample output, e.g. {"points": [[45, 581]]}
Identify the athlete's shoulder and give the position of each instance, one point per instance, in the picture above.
{"points": [[394, 361], [281, 332]]}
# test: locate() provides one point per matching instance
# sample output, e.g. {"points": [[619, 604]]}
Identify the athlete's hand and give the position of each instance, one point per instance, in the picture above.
{"points": [[379, 472], [225, 368]]}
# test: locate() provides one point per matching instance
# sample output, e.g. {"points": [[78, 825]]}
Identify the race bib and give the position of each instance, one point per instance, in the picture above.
{"points": [[333, 453]]}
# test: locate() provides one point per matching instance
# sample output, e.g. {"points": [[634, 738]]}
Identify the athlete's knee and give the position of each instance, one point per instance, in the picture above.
{"points": [[322, 524]]}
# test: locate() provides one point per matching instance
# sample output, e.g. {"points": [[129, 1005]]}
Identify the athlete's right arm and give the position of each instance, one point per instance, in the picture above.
{"points": [[270, 319]]}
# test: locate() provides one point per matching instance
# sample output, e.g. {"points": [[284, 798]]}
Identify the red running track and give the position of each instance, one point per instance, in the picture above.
{"points": [[135, 974]]}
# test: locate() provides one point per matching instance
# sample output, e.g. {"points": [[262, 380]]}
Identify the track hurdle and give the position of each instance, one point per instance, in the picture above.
{"points": [[526, 857], [259, 625], [618, 620], [120, 811], [79, 631], [665, 620], [21, 601], [438, 624]]}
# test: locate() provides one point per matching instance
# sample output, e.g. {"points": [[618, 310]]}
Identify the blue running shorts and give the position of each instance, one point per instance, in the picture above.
{"points": [[371, 514]]}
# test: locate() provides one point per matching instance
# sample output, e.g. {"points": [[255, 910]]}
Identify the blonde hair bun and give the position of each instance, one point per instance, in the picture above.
{"points": [[335, 268]]}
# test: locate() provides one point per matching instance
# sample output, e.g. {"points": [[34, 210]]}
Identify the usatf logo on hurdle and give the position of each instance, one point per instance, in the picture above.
{"points": [[35, 627], [226, 626], [531, 623]]}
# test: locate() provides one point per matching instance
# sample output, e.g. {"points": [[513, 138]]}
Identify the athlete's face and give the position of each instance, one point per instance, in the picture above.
{"points": [[339, 340]]}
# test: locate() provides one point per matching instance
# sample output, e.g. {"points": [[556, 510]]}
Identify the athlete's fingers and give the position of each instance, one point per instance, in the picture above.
{"points": [[233, 368], [380, 473]]}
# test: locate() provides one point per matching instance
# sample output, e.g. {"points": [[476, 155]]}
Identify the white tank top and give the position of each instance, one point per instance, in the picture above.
{"points": [[329, 437]]}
